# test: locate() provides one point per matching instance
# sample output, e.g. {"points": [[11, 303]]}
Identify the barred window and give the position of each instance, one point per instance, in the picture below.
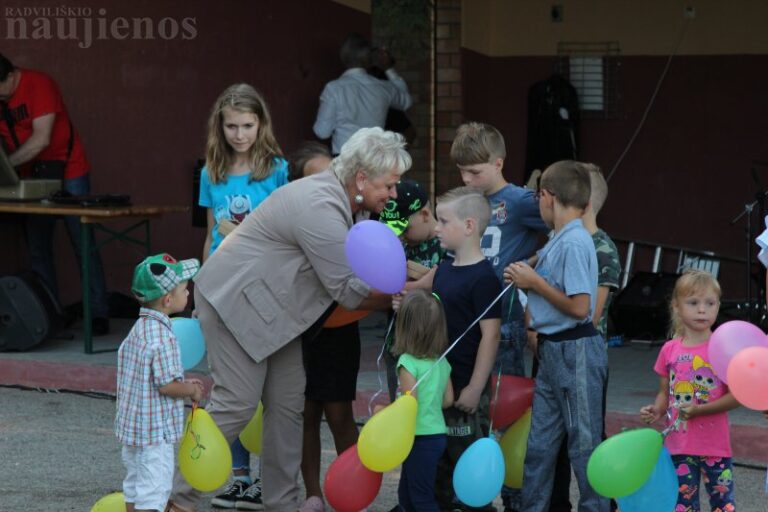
{"points": [[592, 68]]}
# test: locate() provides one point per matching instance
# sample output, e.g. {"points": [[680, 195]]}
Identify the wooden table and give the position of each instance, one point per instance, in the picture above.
{"points": [[93, 218]]}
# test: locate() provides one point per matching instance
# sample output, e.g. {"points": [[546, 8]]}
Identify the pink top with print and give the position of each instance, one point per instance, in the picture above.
{"points": [[693, 381]]}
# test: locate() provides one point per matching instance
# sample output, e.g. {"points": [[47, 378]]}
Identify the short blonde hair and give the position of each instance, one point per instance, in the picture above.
{"points": [[569, 182], [599, 187], [420, 329], [692, 281], [468, 203], [477, 143], [373, 151]]}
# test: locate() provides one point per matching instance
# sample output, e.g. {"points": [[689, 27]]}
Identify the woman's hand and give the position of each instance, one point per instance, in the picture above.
{"points": [[397, 299], [650, 415]]}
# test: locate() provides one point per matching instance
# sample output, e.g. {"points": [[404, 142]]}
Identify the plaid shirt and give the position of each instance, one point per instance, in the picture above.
{"points": [[148, 359]]}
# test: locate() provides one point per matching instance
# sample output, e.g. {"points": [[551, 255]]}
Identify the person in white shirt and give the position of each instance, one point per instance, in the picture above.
{"points": [[356, 99]]}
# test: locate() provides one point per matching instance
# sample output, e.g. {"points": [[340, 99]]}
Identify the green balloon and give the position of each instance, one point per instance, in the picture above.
{"points": [[621, 464]]}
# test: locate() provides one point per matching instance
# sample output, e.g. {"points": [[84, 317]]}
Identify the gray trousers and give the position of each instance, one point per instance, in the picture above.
{"points": [[567, 402], [239, 383]]}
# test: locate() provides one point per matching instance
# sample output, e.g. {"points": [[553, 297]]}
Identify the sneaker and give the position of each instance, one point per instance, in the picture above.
{"points": [[231, 494], [251, 498], [313, 504]]}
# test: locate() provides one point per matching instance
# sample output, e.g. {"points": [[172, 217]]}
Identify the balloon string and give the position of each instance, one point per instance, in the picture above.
{"points": [[378, 366], [494, 301], [495, 399], [671, 428]]}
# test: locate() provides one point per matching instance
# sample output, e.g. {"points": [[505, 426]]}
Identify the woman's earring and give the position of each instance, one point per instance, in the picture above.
{"points": [[359, 199]]}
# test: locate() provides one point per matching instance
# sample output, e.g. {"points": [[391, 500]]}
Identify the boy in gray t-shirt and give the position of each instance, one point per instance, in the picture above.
{"points": [[573, 362]]}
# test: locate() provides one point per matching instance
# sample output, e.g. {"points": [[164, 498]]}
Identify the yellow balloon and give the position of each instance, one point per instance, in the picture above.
{"points": [[514, 443], [114, 502], [205, 459], [386, 440], [250, 437]]}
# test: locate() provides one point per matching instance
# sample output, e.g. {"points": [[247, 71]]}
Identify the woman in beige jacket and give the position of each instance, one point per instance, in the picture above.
{"points": [[270, 282]]}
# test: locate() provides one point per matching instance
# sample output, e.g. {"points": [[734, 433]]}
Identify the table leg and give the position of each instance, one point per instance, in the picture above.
{"points": [[85, 283]]}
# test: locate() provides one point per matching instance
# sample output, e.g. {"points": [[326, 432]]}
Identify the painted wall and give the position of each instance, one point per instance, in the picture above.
{"points": [[141, 104], [688, 173], [524, 27]]}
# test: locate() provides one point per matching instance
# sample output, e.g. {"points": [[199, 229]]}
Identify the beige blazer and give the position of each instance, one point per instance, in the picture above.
{"points": [[273, 276]]}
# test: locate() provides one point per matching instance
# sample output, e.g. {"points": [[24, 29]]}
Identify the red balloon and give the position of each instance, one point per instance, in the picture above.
{"points": [[350, 486], [342, 316], [515, 397]]}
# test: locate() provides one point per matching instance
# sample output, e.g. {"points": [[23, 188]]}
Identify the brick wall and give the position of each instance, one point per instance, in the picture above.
{"points": [[415, 66], [449, 108]]}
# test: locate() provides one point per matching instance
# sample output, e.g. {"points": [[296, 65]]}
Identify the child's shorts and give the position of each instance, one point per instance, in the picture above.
{"points": [[331, 363], [149, 475]]}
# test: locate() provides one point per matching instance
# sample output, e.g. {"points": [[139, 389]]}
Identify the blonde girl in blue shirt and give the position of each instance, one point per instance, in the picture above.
{"points": [[243, 166], [243, 163]]}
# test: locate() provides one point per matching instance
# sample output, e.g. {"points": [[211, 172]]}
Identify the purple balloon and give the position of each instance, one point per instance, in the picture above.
{"points": [[729, 339], [376, 256]]}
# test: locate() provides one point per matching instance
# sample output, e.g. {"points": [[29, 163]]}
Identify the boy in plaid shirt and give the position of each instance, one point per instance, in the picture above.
{"points": [[150, 383]]}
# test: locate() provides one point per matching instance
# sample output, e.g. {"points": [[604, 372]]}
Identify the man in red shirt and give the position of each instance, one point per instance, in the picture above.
{"points": [[40, 140]]}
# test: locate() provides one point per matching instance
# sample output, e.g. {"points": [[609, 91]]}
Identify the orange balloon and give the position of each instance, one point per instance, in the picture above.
{"points": [[342, 316]]}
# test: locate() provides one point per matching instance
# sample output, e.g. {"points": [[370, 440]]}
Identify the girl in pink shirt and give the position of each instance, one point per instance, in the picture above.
{"points": [[693, 399]]}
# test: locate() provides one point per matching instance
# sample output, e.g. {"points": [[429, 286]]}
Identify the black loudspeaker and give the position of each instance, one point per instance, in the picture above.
{"points": [[641, 309], [29, 313]]}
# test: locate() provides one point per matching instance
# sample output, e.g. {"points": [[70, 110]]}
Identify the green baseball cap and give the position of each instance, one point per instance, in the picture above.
{"points": [[160, 274], [410, 199]]}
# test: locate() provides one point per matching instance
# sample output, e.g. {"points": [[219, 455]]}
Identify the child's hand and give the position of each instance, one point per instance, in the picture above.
{"points": [[378, 408], [198, 391], [690, 412], [533, 342], [508, 274], [522, 274], [649, 414], [468, 400]]}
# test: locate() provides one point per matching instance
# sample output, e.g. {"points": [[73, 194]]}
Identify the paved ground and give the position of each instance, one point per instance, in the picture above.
{"points": [[58, 452]]}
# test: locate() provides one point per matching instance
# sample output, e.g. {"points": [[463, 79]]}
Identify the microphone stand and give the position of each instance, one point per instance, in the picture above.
{"points": [[747, 212]]}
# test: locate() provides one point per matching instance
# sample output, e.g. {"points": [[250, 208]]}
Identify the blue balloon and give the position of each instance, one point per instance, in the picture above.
{"points": [[479, 474], [376, 256], [191, 342], [658, 493]]}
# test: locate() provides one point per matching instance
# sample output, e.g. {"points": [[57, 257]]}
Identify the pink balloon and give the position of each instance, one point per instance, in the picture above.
{"points": [[728, 340], [748, 378]]}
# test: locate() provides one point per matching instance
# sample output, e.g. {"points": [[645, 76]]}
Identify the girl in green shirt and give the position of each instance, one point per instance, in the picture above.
{"points": [[421, 336]]}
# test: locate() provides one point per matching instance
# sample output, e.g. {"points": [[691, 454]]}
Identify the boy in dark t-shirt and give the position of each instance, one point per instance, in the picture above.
{"points": [[466, 286]]}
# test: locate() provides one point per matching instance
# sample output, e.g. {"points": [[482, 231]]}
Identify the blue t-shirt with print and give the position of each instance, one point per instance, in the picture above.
{"points": [[511, 236], [514, 227], [237, 196], [569, 263]]}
